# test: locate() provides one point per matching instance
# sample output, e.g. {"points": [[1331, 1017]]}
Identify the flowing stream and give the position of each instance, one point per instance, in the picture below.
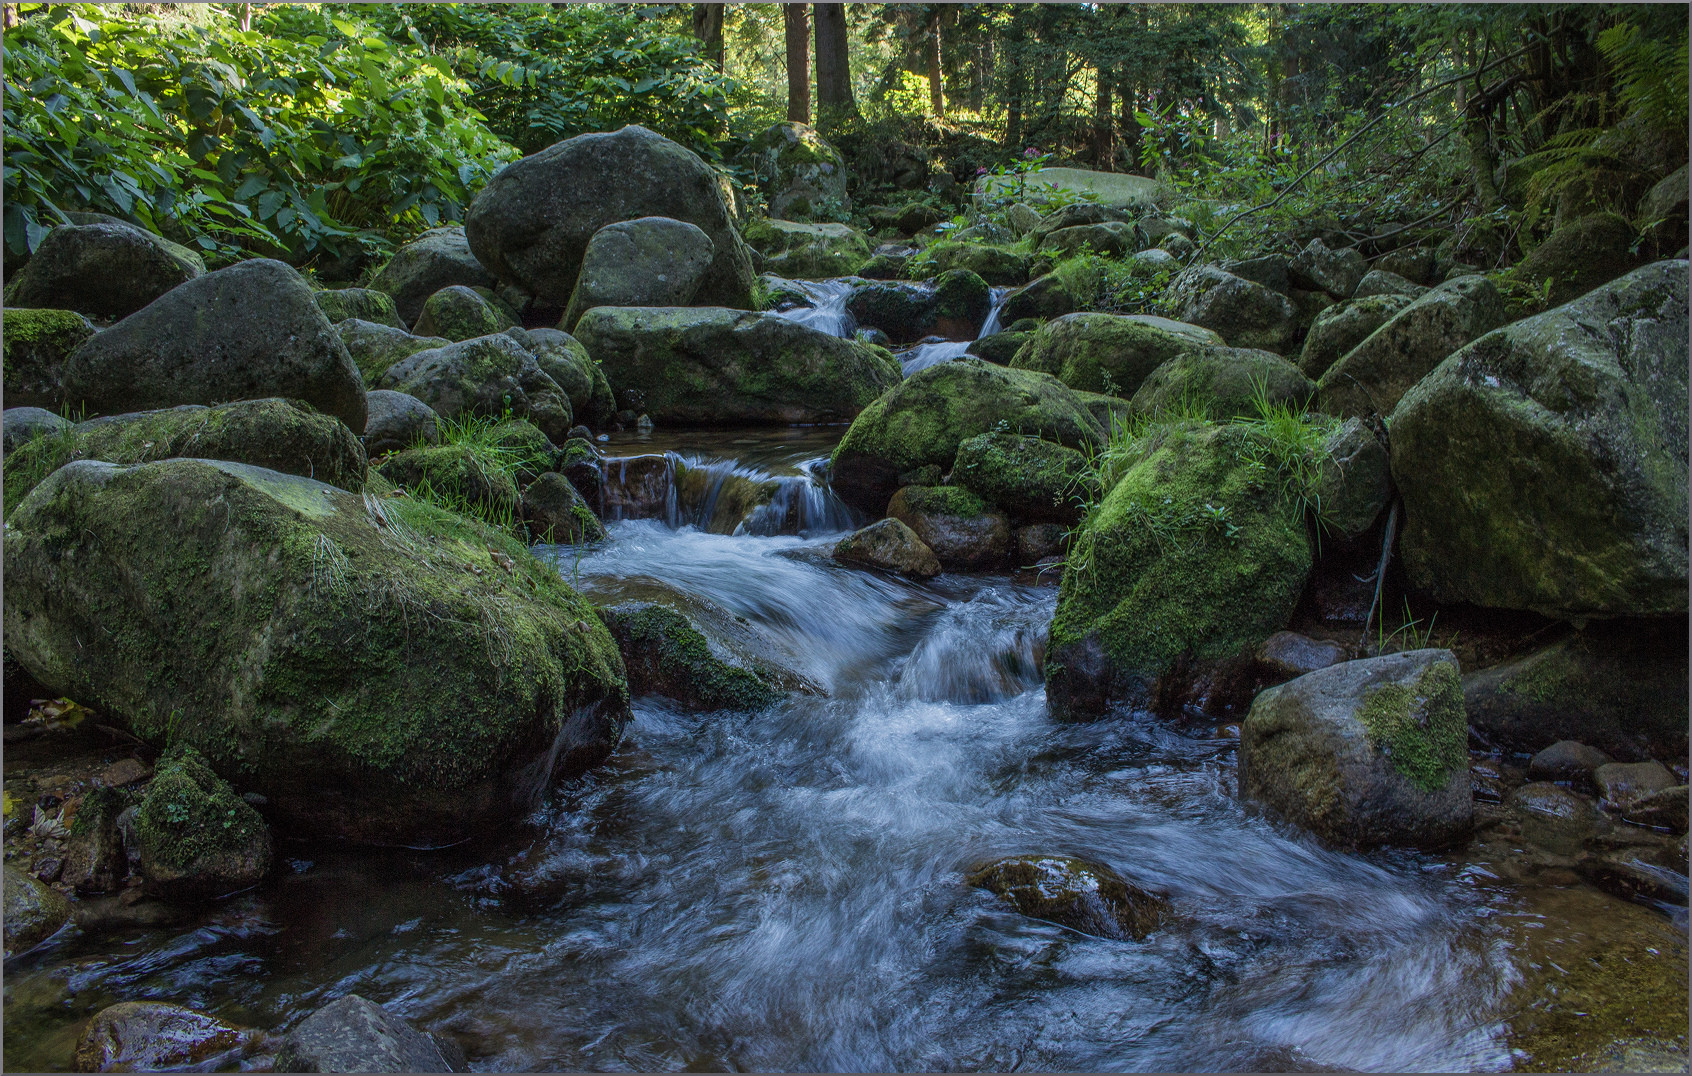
{"points": [[827, 313], [785, 889]]}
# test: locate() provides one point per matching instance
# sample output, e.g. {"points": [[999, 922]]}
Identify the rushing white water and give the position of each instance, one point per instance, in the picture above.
{"points": [[923, 356], [827, 311], [723, 496]]}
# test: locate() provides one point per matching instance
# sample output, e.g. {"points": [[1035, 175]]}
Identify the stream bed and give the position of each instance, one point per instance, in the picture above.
{"points": [[784, 889]]}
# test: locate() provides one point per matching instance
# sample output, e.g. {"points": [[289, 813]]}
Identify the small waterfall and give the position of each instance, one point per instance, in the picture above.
{"points": [[723, 496], [991, 326], [827, 312], [923, 356]]}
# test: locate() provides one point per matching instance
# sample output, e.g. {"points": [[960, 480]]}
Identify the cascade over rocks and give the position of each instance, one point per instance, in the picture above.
{"points": [[487, 376], [953, 305], [439, 258], [1246, 314], [282, 435], [104, 270], [1161, 603], [1365, 752], [708, 366], [1373, 376], [652, 261], [36, 344], [249, 331], [1088, 897], [1544, 466], [375, 672], [1108, 353], [532, 223], [924, 419]]}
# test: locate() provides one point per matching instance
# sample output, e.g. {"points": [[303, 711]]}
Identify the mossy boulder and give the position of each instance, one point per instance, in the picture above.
{"points": [[799, 172], [374, 347], [458, 313], [1365, 752], [1107, 353], [1075, 893], [532, 222], [890, 545], [380, 670], [962, 530], [1381, 282], [1187, 565], [1221, 382], [1000, 348], [954, 306], [397, 422], [1110, 238], [463, 476], [1244, 313], [667, 655], [994, 264], [22, 425], [924, 419], [1111, 412], [557, 514], [1336, 272], [708, 366], [1373, 376], [94, 858], [196, 838], [651, 261], [1033, 480], [33, 912], [1620, 686], [490, 376], [365, 304], [249, 331], [36, 344], [1047, 296], [439, 258], [1544, 466], [1354, 481], [563, 358], [282, 435], [1580, 256], [798, 251], [1415, 264], [1343, 326], [104, 270]]}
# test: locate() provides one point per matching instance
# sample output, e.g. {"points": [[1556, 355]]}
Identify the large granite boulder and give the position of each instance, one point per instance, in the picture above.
{"points": [[1246, 314], [248, 331], [1108, 353], [1343, 326], [379, 670], [924, 419], [1365, 752], [1544, 466], [489, 376], [1173, 582], [1222, 382], [439, 258], [708, 366], [105, 270], [652, 261], [953, 305], [1337, 272], [800, 174], [531, 224], [36, 344]]}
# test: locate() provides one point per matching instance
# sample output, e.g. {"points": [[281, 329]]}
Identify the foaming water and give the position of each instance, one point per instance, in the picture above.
{"points": [[723, 496], [827, 311], [784, 890]]}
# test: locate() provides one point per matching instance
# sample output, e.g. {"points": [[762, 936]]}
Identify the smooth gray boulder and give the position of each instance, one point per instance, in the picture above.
{"points": [[563, 358], [532, 223], [1354, 483], [25, 424], [487, 376], [249, 331], [651, 261], [154, 1036], [105, 270], [439, 258], [1544, 466], [355, 1035], [1244, 313], [398, 421], [1365, 752]]}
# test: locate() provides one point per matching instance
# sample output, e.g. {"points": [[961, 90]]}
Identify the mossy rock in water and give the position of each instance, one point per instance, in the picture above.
{"points": [[462, 477], [379, 669], [459, 313], [962, 530], [489, 376], [1222, 382], [995, 265], [1365, 752], [1544, 466], [709, 366], [374, 347], [666, 655], [1108, 353], [33, 912], [36, 344], [1580, 256], [1000, 348], [197, 838], [1088, 897], [1192, 560], [1620, 686], [1033, 480], [283, 435], [797, 251], [556, 513], [890, 545], [923, 420], [902, 310], [365, 304]]}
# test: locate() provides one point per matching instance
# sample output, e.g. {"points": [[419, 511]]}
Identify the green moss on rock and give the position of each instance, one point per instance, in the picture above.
{"points": [[1027, 477], [459, 313], [666, 655], [36, 343], [198, 838], [1221, 383], [1420, 727], [994, 264], [1106, 353]]}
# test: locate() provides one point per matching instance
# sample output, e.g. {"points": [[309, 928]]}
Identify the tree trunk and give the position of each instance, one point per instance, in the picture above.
{"points": [[1128, 97], [834, 73], [708, 28], [796, 19], [931, 54], [9, 15], [1104, 126], [1013, 102]]}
